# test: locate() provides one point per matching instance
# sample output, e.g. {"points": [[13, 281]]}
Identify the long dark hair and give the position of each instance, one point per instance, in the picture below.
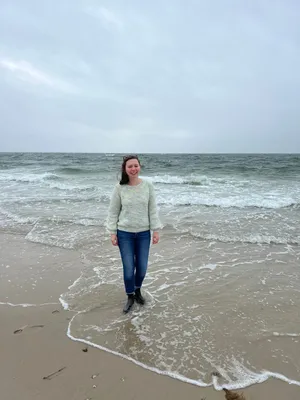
{"points": [[124, 177]]}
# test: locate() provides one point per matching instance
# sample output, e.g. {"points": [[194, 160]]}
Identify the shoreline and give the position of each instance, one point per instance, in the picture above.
{"points": [[43, 346]]}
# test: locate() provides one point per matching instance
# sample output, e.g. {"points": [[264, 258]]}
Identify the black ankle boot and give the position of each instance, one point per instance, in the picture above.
{"points": [[129, 303], [138, 297]]}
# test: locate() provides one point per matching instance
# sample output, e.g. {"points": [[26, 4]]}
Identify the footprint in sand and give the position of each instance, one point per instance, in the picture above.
{"points": [[20, 330]]}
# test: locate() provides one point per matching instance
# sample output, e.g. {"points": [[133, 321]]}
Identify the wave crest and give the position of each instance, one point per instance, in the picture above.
{"points": [[247, 238]]}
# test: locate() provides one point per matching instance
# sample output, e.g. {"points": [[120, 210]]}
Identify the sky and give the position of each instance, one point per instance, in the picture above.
{"points": [[150, 76]]}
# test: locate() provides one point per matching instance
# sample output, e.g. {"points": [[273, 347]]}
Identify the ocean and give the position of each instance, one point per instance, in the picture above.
{"points": [[223, 284]]}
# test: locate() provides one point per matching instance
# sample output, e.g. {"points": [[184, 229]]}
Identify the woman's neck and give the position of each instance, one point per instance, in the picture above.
{"points": [[134, 181]]}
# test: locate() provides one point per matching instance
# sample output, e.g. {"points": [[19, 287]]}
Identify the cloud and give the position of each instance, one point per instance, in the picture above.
{"points": [[106, 16], [156, 76], [26, 72]]}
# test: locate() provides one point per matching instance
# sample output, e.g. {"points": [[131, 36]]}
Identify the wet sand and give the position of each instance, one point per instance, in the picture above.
{"points": [[37, 275]]}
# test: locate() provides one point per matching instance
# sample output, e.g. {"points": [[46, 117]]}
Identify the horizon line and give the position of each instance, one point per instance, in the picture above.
{"points": [[149, 153]]}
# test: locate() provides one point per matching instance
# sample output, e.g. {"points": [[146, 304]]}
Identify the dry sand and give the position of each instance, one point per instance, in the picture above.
{"points": [[35, 274]]}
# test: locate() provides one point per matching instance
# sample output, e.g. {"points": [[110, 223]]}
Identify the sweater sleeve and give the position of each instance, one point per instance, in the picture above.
{"points": [[154, 220], [114, 211]]}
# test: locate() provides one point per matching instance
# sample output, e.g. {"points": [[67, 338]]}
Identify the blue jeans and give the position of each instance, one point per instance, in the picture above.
{"points": [[134, 249]]}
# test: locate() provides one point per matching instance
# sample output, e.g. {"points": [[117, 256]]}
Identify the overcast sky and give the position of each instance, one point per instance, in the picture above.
{"points": [[150, 76]]}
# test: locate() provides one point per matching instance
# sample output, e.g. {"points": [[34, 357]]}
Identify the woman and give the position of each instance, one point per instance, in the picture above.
{"points": [[132, 215]]}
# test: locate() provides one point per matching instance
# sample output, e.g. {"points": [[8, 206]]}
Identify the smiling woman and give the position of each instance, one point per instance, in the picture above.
{"points": [[132, 215], [130, 168]]}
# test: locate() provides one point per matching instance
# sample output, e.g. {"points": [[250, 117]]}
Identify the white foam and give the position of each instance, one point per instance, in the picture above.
{"points": [[75, 282], [28, 178], [67, 187], [246, 238], [24, 305], [38, 235], [17, 218], [237, 200], [212, 267], [153, 369], [286, 334], [64, 304], [250, 377], [168, 285], [190, 180]]}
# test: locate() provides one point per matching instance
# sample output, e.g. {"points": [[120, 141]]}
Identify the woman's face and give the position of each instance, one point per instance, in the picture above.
{"points": [[132, 168]]}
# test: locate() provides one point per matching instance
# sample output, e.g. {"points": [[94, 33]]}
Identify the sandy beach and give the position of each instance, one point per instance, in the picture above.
{"points": [[34, 343]]}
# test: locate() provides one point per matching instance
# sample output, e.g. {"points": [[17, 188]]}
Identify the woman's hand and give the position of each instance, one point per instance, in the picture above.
{"points": [[155, 238], [114, 240]]}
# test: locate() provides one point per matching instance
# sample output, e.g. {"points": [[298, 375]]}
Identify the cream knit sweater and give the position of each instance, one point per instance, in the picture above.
{"points": [[133, 208]]}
